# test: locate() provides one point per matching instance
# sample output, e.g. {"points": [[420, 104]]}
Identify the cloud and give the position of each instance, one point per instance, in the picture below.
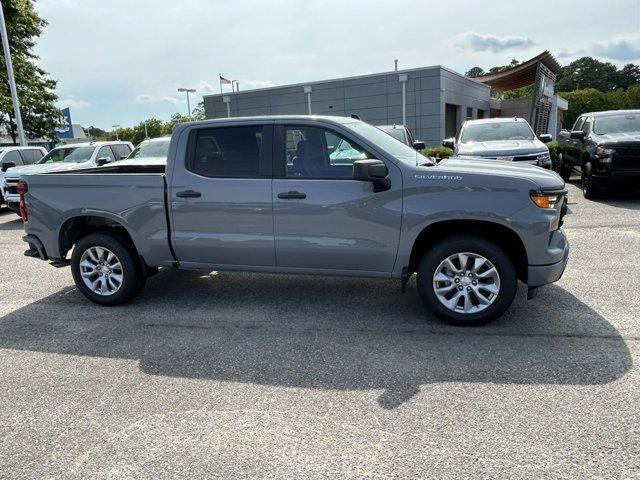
{"points": [[621, 48], [478, 42], [73, 102], [147, 98]]}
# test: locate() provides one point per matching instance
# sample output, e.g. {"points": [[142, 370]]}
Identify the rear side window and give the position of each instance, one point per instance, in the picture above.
{"points": [[227, 152], [31, 156], [121, 150]]}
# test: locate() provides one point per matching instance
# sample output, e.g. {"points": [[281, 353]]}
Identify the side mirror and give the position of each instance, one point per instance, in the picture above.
{"points": [[449, 143], [577, 134], [418, 145], [374, 171], [102, 161], [545, 138], [7, 165]]}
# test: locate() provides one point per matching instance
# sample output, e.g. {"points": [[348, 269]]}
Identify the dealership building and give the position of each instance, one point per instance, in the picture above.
{"points": [[432, 101]]}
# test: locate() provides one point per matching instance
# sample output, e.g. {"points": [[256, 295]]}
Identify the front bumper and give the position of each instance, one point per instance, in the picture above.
{"points": [[538, 275], [629, 178]]}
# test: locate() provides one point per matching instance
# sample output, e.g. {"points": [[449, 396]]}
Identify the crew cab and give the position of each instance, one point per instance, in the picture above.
{"points": [[263, 194], [13, 156], [605, 148], [67, 157], [510, 139]]}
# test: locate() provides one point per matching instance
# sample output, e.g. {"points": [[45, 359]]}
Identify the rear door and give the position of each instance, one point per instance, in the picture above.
{"points": [[323, 219], [574, 144], [221, 209]]}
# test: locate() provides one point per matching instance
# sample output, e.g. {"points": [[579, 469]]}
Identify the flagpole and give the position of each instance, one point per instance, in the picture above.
{"points": [[220, 82]]}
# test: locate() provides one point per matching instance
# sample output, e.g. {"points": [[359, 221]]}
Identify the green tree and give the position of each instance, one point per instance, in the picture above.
{"points": [[36, 90], [587, 72], [500, 68], [628, 75], [474, 72]]}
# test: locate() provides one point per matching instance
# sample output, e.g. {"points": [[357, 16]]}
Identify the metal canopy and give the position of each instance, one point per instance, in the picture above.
{"points": [[521, 75]]}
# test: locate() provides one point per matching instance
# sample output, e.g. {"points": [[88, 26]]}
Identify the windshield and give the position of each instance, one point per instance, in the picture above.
{"points": [[57, 155], [151, 149], [489, 132], [617, 124], [398, 149]]}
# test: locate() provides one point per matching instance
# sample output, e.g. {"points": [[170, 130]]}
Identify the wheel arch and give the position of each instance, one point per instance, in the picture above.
{"points": [[503, 236]]}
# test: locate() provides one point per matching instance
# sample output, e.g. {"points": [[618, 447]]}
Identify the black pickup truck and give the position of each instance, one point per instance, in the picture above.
{"points": [[605, 148]]}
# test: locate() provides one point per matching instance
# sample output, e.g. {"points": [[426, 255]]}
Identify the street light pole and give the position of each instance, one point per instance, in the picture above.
{"points": [[188, 91], [12, 80], [116, 127]]}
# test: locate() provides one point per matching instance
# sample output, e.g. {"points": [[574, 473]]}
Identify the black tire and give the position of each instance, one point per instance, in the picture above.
{"points": [[562, 168], [589, 188], [133, 277], [472, 244]]}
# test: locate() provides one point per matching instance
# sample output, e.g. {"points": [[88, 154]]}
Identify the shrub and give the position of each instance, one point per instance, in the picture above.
{"points": [[437, 152], [553, 149]]}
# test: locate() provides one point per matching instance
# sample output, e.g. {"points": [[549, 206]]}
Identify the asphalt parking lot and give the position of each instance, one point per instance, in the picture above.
{"points": [[239, 375]]}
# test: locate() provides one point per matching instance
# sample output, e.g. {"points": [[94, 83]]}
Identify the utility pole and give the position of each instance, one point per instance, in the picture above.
{"points": [[12, 80], [188, 91], [116, 127]]}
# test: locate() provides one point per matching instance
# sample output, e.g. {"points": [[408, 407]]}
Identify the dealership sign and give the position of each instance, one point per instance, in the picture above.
{"points": [[64, 128]]}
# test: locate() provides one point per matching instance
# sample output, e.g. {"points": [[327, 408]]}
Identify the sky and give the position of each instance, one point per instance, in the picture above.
{"points": [[120, 62]]}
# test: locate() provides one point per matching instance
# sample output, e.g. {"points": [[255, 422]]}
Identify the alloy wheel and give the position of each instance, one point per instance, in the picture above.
{"points": [[466, 282], [101, 271]]}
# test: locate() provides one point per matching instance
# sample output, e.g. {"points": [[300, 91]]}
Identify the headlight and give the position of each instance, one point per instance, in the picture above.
{"points": [[545, 201]]}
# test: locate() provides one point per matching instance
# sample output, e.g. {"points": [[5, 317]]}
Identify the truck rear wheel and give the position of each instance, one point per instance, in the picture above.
{"points": [[467, 280], [106, 270]]}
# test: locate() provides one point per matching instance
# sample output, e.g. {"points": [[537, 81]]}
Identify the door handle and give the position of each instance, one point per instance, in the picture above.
{"points": [[292, 195], [188, 194]]}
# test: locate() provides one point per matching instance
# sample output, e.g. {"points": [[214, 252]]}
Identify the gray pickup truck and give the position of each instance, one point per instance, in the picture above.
{"points": [[278, 194]]}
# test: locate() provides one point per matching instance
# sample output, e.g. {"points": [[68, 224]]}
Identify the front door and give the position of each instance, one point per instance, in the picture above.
{"points": [[323, 219], [221, 201]]}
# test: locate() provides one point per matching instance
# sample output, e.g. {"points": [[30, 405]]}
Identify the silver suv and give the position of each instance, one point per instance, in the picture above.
{"points": [[509, 139]]}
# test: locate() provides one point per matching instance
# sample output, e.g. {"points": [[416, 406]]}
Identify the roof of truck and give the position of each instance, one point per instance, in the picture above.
{"points": [[613, 112], [268, 118]]}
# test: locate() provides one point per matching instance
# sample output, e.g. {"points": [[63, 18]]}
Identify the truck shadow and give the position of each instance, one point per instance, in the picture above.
{"points": [[12, 224], [323, 333]]}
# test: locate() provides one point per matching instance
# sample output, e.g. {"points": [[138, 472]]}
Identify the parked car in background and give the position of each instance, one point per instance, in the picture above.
{"points": [[152, 149], [604, 147], [263, 194], [17, 156], [403, 134], [67, 157], [510, 139]]}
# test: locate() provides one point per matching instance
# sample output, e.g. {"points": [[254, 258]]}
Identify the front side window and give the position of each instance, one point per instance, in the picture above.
{"points": [[487, 132], [313, 152], [31, 156], [227, 152], [105, 152], [578, 125], [13, 156]]}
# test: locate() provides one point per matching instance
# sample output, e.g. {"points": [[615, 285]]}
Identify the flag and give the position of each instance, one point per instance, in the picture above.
{"points": [[224, 81]]}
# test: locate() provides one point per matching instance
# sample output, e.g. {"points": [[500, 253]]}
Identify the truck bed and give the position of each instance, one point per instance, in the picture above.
{"points": [[135, 201]]}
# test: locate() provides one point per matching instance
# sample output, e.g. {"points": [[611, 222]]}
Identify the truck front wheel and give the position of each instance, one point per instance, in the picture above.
{"points": [[589, 188], [467, 280], [562, 168], [105, 269]]}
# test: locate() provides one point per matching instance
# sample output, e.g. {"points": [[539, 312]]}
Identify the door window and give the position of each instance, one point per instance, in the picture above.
{"points": [[31, 156], [227, 152], [105, 152], [578, 124], [313, 152], [121, 150], [13, 156]]}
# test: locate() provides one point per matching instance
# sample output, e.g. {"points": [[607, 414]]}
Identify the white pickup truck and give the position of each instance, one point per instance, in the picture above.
{"points": [[63, 158], [17, 156]]}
